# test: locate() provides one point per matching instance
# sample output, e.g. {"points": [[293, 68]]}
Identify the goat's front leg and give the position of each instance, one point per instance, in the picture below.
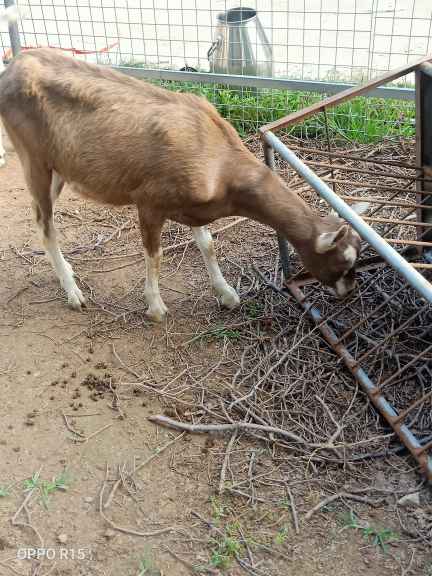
{"points": [[226, 294], [150, 231], [45, 188]]}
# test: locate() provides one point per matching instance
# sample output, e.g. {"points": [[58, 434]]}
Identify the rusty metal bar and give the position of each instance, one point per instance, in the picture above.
{"points": [[411, 407], [367, 317], [332, 101], [366, 172], [426, 68], [384, 202], [393, 333], [409, 242], [343, 156], [395, 221], [424, 448], [378, 400], [392, 189], [424, 137], [405, 368]]}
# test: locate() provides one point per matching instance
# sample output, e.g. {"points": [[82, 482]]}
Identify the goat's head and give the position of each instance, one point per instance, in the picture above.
{"points": [[332, 258]]}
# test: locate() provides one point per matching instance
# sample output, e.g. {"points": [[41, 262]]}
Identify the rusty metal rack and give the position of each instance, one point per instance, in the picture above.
{"points": [[383, 333]]}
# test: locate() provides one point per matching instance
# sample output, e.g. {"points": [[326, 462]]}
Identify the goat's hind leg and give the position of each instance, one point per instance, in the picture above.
{"points": [[226, 294], [151, 227], [45, 188]]}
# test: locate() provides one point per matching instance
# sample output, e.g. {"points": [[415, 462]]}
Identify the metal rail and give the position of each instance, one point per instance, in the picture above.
{"points": [[313, 86], [391, 256]]}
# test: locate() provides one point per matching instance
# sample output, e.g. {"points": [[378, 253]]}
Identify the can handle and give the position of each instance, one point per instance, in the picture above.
{"points": [[214, 47]]}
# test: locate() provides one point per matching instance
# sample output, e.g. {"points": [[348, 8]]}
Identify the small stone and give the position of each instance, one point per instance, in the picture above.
{"points": [[16, 449], [88, 499], [62, 538], [412, 499], [109, 534]]}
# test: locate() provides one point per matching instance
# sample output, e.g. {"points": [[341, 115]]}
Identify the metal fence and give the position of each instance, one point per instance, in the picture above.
{"points": [[317, 44]]}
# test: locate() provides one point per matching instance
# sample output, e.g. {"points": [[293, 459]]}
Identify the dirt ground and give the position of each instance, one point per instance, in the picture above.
{"points": [[76, 394]]}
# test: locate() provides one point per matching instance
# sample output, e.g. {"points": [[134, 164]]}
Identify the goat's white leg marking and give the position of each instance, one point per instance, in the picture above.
{"points": [[62, 268], [156, 307], [227, 295]]}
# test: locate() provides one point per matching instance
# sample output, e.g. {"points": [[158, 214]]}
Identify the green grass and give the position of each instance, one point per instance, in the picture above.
{"points": [[218, 509], [225, 547], [362, 120], [4, 491], [46, 487], [281, 535], [377, 536], [146, 568]]}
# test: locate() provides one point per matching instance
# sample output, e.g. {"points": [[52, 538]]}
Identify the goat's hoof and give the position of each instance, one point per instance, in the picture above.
{"points": [[76, 299], [2, 161], [157, 314], [229, 298]]}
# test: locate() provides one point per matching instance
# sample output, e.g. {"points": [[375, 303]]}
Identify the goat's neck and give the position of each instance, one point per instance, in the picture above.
{"points": [[268, 200]]}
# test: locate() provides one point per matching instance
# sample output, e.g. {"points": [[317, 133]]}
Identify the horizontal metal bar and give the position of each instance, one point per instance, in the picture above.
{"points": [[397, 222], [383, 201], [346, 168], [366, 232], [347, 154], [262, 82], [331, 101]]}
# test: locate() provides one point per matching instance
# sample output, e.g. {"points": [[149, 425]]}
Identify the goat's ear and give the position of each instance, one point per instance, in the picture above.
{"points": [[328, 240], [360, 207]]}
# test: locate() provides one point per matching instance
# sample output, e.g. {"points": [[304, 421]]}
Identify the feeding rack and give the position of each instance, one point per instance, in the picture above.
{"points": [[383, 333]]}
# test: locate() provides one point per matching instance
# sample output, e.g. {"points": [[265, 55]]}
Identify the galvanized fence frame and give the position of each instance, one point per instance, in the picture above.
{"points": [[358, 364], [318, 47]]}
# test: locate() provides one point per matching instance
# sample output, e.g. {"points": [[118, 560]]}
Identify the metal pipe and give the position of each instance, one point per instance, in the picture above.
{"points": [[426, 68], [366, 232], [13, 31], [282, 242], [263, 82]]}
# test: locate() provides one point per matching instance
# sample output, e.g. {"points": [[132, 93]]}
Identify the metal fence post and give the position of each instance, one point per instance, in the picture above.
{"points": [[13, 31], [282, 242]]}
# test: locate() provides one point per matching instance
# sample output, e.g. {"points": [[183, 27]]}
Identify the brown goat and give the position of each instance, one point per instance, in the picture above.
{"points": [[122, 141]]}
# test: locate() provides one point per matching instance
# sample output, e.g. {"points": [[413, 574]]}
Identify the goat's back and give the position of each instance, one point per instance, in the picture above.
{"points": [[112, 135]]}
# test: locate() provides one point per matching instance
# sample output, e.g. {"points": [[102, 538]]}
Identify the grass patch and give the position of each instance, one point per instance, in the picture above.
{"points": [[46, 487], [281, 535], [224, 548], [363, 120], [376, 536], [4, 491]]}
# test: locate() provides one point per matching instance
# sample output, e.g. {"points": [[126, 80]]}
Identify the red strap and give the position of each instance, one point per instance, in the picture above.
{"points": [[8, 52]]}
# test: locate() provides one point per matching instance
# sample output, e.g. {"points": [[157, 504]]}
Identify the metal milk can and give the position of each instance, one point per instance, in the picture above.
{"points": [[240, 45]]}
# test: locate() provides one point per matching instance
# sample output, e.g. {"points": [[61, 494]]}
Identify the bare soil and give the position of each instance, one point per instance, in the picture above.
{"points": [[56, 362]]}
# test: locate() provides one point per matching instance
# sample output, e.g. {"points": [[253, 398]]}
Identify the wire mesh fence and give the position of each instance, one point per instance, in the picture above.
{"points": [[320, 42]]}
